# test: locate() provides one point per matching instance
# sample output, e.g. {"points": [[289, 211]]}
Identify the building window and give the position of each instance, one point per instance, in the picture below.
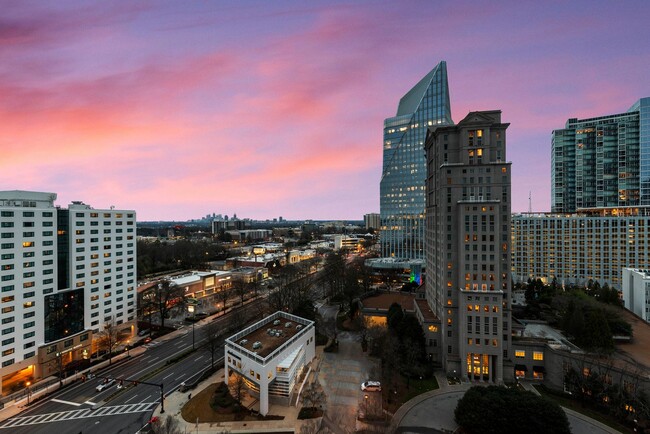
{"points": [[520, 354], [538, 355]]}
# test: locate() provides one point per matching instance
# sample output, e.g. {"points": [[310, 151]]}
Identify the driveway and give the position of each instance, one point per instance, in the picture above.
{"points": [[341, 375]]}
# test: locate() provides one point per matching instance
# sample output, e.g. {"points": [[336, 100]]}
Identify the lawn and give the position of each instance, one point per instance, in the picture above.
{"points": [[568, 402], [198, 408], [401, 393]]}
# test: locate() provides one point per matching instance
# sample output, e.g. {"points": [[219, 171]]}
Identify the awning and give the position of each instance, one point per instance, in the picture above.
{"points": [[521, 368]]}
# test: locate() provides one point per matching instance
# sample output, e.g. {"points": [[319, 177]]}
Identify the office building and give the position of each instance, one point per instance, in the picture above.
{"points": [[575, 248], [468, 244], [270, 355], [636, 292], [66, 273], [402, 199], [602, 161]]}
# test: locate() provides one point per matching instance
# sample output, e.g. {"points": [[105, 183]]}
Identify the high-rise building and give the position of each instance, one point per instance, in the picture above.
{"points": [[602, 161], [595, 244], [65, 274], [372, 220], [402, 199], [468, 244]]}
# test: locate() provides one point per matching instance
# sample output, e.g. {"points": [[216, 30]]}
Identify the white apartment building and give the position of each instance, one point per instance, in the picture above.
{"points": [[575, 248], [64, 274], [636, 291], [270, 355]]}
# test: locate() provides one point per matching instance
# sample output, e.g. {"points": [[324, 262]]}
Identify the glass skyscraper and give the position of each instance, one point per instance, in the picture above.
{"points": [[602, 161], [402, 187]]}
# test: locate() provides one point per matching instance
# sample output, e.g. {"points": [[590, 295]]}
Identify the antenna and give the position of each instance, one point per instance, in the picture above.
{"points": [[530, 202]]}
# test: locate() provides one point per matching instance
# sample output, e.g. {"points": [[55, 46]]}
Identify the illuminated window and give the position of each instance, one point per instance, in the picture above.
{"points": [[537, 355], [28, 244], [433, 328], [520, 354]]}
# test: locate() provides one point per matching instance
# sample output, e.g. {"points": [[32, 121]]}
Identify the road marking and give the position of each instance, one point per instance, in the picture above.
{"points": [[198, 358], [164, 378], [155, 358], [144, 358], [78, 414], [60, 401], [130, 398], [90, 403]]}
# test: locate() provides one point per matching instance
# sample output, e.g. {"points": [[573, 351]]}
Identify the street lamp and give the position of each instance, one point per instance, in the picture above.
{"points": [[128, 344], [190, 309], [29, 391]]}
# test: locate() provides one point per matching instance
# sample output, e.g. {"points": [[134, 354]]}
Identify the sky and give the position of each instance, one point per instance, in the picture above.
{"points": [[178, 109]]}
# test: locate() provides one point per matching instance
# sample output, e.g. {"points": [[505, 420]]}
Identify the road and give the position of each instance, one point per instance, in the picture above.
{"points": [[81, 409]]}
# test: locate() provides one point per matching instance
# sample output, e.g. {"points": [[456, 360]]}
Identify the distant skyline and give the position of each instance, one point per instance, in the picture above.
{"points": [[267, 109]]}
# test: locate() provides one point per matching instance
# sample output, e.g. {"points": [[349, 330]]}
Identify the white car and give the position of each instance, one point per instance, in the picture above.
{"points": [[105, 384], [371, 386]]}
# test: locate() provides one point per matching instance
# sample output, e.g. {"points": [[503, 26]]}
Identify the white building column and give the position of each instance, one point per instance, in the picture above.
{"points": [[264, 397], [226, 372]]}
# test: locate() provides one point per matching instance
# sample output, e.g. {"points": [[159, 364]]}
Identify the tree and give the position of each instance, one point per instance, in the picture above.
{"points": [[108, 339], [313, 396], [212, 333], [167, 298], [490, 410], [237, 386], [239, 289], [167, 426], [223, 295]]}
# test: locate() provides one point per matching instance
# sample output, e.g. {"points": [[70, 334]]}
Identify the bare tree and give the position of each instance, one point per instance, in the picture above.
{"points": [[313, 396], [240, 289], [167, 298], [108, 339], [213, 334], [223, 295], [167, 426], [237, 386]]}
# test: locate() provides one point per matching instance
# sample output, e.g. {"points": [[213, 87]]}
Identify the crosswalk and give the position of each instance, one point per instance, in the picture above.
{"points": [[78, 414]]}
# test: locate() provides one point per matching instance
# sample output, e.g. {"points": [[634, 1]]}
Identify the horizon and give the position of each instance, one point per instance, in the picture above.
{"points": [[179, 110]]}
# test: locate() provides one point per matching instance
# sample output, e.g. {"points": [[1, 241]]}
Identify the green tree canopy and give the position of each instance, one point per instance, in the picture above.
{"points": [[496, 409]]}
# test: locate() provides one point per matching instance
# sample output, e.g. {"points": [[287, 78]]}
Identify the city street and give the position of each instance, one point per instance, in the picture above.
{"points": [[82, 409]]}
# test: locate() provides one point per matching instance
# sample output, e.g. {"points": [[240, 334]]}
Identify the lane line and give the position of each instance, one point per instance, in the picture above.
{"points": [[60, 401], [164, 378], [130, 398]]}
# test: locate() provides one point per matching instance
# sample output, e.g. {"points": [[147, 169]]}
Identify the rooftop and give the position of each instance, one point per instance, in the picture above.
{"points": [[383, 301], [426, 311], [273, 333]]}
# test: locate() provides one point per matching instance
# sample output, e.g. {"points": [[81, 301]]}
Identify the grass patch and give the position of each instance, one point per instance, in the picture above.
{"points": [[199, 407], [396, 395], [567, 401]]}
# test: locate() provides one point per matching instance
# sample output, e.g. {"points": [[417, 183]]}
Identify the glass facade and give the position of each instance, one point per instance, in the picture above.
{"points": [[402, 187], [643, 107], [602, 161]]}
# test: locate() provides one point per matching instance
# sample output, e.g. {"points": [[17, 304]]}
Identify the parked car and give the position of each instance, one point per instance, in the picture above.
{"points": [[143, 332], [105, 384], [371, 386], [147, 340]]}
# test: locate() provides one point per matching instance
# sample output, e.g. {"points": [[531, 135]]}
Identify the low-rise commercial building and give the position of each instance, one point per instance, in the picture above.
{"points": [[270, 355]]}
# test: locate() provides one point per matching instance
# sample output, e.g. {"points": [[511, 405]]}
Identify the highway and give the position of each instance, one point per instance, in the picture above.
{"points": [[80, 408]]}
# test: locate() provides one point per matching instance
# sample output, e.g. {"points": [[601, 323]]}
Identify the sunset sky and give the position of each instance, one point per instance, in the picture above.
{"points": [[178, 109]]}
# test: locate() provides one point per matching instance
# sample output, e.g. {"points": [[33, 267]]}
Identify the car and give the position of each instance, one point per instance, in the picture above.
{"points": [[143, 332], [371, 386], [147, 340], [105, 384]]}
